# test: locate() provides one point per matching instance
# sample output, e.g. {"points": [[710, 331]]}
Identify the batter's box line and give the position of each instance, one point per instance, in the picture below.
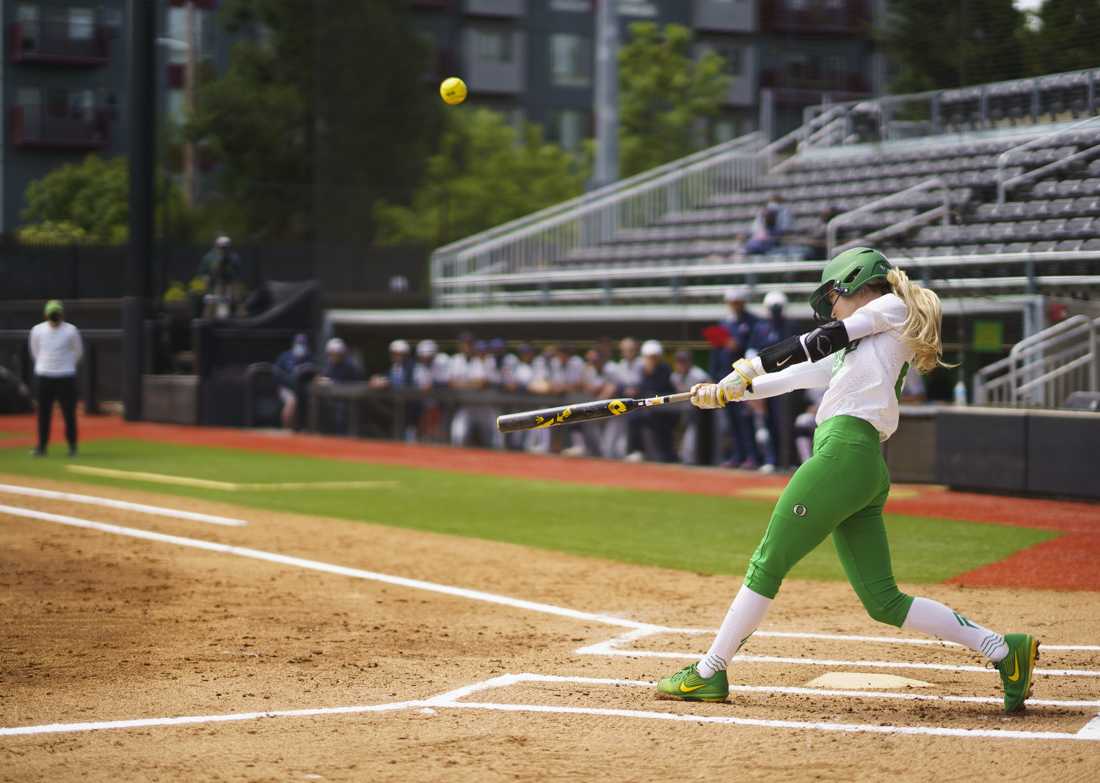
{"points": [[453, 700], [611, 647]]}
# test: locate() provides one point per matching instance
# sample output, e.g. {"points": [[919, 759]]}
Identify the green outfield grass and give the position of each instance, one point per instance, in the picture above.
{"points": [[689, 532]]}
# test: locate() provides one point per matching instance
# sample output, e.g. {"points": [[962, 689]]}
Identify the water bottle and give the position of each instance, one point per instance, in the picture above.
{"points": [[959, 392]]}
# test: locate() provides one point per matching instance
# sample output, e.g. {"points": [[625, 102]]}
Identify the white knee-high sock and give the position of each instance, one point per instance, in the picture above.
{"points": [[744, 615], [935, 619]]}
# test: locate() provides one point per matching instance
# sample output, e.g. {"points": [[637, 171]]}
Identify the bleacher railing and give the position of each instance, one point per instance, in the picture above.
{"points": [[1006, 183], [683, 283], [1044, 99], [1044, 369], [533, 243], [943, 211]]}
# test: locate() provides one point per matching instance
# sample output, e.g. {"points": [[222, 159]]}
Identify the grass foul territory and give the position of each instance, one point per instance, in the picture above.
{"points": [[682, 531]]}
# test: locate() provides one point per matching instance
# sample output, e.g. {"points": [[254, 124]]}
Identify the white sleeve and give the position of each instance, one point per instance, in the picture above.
{"points": [[879, 315], [806, 375], [78, 345], [33, 342]]}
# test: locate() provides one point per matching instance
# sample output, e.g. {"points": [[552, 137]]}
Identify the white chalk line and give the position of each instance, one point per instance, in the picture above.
{"points": [[611, 648], [141, 508], [844, 637], [638, 630], [316, 565], [226, 486], [451, 700]]}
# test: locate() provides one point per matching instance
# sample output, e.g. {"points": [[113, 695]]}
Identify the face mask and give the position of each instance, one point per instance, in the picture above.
{"points": [[298, 351]]}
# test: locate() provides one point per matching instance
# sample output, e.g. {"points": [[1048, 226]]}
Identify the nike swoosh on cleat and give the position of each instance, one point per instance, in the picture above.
{"points": [[685, 689], [1016, 672]]}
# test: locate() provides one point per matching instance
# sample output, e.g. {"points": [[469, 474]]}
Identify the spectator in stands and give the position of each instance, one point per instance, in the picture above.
{"points": [[429, 373], [400, 373], [765, 413], [805, 424], [817, 241], [685, 375], [400, 376], [597, 382], [626, 375], [220, 269], [287, 366], [771, 223], [567, 369], [471, 371], [741, 329], [655, 427], [56, 348], [339, 366], [516, 376]]}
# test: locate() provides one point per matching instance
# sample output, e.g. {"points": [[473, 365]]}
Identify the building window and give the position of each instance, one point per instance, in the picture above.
{"points": [[569, 127], [81, 24], [492, 46], [734, 56], [570, 60], [26, 16]]}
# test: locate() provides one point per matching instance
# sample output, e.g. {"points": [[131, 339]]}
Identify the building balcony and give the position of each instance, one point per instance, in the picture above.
{"points": [[730, 16], [59, 43], [816, 17], [495, 7], [35, 127]]}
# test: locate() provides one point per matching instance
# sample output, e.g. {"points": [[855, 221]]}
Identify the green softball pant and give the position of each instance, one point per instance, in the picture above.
{"points": [[840, 490]]}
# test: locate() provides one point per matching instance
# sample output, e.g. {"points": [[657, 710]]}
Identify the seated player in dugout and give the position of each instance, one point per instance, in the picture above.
{"points": [[878, 323]]}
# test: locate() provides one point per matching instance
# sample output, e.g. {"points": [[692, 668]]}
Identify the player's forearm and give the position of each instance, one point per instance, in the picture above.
{"points": [[801, 376]]}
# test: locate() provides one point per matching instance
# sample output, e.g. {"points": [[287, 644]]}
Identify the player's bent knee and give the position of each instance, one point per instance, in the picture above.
{"points": [[890, 609]]}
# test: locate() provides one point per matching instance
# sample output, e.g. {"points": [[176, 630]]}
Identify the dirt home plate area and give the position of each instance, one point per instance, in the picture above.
{"points": [[156, 637]]}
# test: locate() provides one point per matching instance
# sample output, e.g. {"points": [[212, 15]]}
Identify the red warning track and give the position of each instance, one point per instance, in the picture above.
{"points": [[1067, 562]]}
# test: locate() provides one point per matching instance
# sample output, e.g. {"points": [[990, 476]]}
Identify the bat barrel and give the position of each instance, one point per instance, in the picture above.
{"points": [[565, 414]]}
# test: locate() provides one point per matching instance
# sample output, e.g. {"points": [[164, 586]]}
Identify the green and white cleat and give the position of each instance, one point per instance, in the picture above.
{"points": [[1016, 669], [687, 685]]}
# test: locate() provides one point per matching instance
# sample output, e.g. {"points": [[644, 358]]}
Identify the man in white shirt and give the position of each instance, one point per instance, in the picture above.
{"points": [[56, 348]]}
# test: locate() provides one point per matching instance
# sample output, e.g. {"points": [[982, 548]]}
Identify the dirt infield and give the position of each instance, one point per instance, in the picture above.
{"points": [[105, 626]]}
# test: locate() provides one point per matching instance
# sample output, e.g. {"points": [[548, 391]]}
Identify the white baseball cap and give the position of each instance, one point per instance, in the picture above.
{"points": [[222, 241], [399, 346], [737, 293], [336, 345], [775, 299], [652, 348], [427, 348]]}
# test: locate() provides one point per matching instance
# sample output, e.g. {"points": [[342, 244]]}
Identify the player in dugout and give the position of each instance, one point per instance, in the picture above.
{"points": [[878, 323]]}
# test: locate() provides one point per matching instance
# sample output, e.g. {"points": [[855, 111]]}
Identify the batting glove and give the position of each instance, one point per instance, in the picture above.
{"points": [[705, 396], [733, 386]]}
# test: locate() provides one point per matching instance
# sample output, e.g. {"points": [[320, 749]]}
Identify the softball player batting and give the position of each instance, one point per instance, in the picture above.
{"points": [[878, 323]]}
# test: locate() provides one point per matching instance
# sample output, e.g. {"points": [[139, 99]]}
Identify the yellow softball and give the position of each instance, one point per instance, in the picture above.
{"points": [[453, 90]]}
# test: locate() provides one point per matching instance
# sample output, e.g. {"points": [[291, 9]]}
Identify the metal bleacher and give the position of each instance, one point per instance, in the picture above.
{"points": [[994, 195]]}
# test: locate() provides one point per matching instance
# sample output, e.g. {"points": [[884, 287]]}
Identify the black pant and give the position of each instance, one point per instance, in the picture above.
{"points": [[64, 391]]}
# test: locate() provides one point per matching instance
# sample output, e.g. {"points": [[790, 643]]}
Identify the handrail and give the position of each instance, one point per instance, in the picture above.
{"points": [[1003, 184], [845, 217], [1036, 361], [797, 135], [748, 140]]}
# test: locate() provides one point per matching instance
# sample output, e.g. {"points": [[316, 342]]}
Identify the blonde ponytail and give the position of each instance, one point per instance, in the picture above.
{"points": [[922, 326]]}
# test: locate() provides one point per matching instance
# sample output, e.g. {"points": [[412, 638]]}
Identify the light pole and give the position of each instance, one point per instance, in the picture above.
{"points": [[189, 68]]}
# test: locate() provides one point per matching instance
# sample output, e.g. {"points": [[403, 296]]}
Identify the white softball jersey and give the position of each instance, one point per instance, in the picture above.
{"points": [[861, 380], [55, 349]]}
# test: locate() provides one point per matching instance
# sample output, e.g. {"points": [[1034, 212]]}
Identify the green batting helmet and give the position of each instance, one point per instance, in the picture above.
{"points": [[846, 274]]}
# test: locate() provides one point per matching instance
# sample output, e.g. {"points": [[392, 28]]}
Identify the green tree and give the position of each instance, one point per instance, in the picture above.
{"points": [[663, 95], [88, 203], [84, 202], [483, 174], [322, 111], [939, 44], [1067, 36]]}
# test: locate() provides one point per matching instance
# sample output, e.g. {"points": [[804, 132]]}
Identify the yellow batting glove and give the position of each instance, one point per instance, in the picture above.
{"points": [[705, 396], [733, 386]]}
